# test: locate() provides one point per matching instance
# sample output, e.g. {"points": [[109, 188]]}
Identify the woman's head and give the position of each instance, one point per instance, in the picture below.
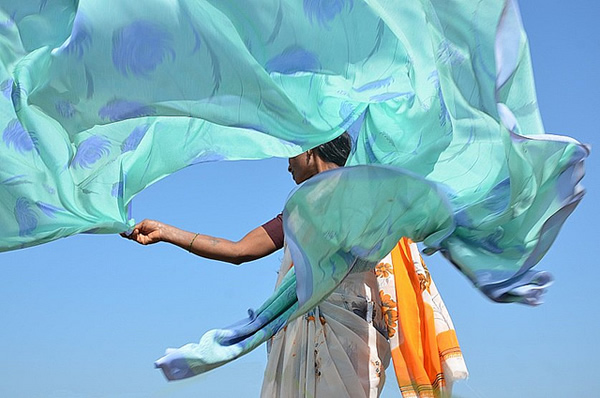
{"points": [[335, 151], [326, 156]]}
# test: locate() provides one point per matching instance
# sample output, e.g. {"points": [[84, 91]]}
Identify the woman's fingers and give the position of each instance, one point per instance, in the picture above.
{"points": [[143, 232]]}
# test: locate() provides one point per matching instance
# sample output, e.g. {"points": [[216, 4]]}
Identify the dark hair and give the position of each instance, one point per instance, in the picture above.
{"points": [[337, 150]]}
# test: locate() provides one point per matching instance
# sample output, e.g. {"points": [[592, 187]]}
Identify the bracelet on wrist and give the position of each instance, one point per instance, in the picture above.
{"points": [[192, 242]]}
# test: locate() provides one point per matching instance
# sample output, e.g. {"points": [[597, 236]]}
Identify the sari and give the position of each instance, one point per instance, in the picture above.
{"points": [[338, 349], [343, 346], [101, 98]]}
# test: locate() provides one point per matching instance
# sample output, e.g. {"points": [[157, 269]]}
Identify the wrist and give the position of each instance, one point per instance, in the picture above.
{"points": [[165, 233]]}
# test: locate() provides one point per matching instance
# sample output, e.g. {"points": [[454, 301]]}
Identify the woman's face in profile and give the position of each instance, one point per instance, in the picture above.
{"points": [[302, 167]]}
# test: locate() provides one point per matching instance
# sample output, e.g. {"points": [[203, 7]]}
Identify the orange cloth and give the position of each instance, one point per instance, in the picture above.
{"points": [[425, 350]]}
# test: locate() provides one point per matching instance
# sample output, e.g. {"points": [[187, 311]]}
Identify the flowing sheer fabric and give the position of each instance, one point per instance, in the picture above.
{"points": [[99, 99]]}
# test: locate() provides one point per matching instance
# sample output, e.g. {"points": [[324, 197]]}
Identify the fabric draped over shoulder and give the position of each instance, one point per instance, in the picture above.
{"points": [[99, 99], [425, 350]]}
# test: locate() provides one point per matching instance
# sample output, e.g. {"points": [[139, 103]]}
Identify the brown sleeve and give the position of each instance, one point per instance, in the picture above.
{"points": [[274, 229]]}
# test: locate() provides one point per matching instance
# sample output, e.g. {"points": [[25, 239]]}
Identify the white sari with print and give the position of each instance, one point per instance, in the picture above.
{"points": [[339, 349]]}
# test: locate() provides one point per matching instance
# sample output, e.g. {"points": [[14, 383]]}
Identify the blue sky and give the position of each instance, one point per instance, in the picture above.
{"points": [[87, 316]]}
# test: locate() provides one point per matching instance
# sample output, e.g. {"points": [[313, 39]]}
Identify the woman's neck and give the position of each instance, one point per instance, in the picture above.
{"points": [[324, 166]]}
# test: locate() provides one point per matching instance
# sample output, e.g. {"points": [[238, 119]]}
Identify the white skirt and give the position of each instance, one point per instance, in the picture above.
{"points": [[339, 349]]}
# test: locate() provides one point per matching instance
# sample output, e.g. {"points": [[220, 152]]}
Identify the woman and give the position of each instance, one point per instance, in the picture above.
{"points": [[338, 349], [342, 347]]}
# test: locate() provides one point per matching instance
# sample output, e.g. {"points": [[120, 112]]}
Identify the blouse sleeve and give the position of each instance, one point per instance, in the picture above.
{"points": [[274, 229]]}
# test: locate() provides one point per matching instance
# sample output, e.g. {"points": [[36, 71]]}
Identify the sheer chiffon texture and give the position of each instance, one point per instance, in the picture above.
{"points": [[448, 144]]}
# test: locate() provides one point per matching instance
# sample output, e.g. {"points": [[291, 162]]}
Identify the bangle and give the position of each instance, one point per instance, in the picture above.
{"points": [[192, 242]]}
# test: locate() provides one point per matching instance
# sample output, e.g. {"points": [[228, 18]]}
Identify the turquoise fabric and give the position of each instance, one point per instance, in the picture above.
{"points": [[99, 99]]}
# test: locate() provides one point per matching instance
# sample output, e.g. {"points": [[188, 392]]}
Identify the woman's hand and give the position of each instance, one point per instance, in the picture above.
{"points": [[147, 232]]}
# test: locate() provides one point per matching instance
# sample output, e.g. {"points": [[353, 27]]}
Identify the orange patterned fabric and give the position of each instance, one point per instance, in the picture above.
{"points": [[425, 350]]}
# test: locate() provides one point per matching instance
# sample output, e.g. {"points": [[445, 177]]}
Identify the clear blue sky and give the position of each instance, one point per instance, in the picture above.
{"points": [[86, 316]]}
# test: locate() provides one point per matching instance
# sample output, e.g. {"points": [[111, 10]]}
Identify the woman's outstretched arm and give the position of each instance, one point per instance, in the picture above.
{"points": [[256, 244]]}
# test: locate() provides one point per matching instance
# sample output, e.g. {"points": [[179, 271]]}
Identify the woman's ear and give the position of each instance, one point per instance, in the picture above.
{"points": [[309, 154]]}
